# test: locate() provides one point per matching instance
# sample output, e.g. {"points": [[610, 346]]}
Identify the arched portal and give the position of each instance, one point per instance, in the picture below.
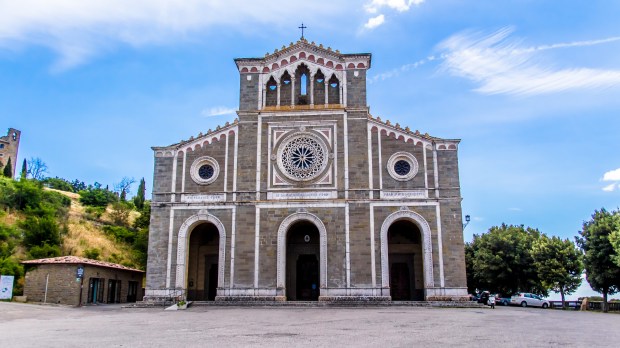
{"points": [[414, 234], [405, 262], [203, 263], [302, 262], [302, 257], [201, 224]]}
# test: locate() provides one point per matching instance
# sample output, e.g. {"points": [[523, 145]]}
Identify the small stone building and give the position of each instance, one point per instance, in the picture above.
{"points": [[307, 196], [9, 146], [57, 280]]}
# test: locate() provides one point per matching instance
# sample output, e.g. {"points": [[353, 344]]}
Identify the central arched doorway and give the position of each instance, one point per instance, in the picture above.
{"points": [[202, 263], [303, 259], [405, 261]]}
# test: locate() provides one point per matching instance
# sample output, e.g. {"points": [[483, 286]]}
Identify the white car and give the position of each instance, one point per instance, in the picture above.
{"points": [[525, 299]]}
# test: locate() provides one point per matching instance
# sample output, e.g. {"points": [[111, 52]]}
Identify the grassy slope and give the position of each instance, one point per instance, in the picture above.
{"points": [[85, 233]]}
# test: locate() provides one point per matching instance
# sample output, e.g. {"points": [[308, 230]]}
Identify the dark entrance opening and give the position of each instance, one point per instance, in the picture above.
{"points": [[405, 261], [114, 291], [95, 290], [302, 262], [202, 263], [132, 291]]}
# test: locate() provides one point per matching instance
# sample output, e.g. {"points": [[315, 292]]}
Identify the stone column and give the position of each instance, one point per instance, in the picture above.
{"points": [[326, 93], [278, 93], [264, 93], [292, 90], [312, 90]]}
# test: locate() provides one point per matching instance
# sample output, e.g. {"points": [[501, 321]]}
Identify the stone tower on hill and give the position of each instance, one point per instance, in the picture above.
{"points": [[307, 196], [9, 145]]}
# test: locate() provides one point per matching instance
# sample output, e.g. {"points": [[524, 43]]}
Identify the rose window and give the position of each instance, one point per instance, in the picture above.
{"points": [[402, 167], [302, 157], [206, 172]]}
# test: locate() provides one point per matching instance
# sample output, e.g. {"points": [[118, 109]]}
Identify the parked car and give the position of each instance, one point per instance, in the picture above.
{"points": [[503, 301], [484, 297], [525, 299]]}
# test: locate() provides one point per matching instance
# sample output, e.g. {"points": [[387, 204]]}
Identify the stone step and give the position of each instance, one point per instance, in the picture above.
{"points": [[448, 304]]}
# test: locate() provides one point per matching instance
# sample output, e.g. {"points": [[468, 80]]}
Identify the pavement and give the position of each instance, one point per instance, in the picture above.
{"points": [[32, 325]]}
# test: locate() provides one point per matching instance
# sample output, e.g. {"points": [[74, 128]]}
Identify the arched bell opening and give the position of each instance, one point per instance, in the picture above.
{"points": [[202, 263], [302, 86], [272, 92], [405, 259], [319, 88], [286, 85], [333, 90], [303, 258]]}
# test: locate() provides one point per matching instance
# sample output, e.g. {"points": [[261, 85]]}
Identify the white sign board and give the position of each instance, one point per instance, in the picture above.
{"points": [[302, 195], [6, 287], [203, 198], [413, 194]]}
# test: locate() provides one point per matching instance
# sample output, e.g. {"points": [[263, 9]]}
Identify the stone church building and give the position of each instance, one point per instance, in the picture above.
{"points": [[306, 196]]}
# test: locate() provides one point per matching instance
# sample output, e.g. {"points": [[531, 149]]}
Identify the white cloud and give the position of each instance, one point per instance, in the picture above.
{"points": [[399, 5], [515, 209], [610, 187], [78, 29], [612, 175], [374, 22], [500, 66], [218, 111]]}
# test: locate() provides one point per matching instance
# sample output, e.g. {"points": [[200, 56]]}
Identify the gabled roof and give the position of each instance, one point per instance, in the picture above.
{"points": [[407, 135], [78, 260], [303, 49], [211, 135]]}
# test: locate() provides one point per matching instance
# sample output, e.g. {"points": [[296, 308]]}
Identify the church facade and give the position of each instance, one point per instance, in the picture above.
{"points": [[306, 196]]}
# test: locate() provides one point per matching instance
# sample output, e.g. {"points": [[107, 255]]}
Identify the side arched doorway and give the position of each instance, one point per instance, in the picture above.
{"points": [[405, 261], [303, 262], [203, 262]]}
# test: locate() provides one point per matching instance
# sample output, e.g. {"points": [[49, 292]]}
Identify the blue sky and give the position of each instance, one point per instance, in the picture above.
{"points": [[531, 87]]}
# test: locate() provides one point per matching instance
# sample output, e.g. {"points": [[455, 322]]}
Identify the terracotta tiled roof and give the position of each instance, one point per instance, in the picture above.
{"points": [[78, 260]]}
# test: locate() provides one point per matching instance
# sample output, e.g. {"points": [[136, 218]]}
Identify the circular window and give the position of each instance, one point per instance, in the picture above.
{"points": [[302, 156], [402, 166], [204, 170]]}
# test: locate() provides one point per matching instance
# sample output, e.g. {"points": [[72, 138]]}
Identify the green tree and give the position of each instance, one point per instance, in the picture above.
{"points": [[602, 272], [472, 283], [614, 239], [558, 263], [144, 219], [40, 230], [96, 196], [139, 199], [43, 251], [24, 171], [502, 261], [58, 184], [8, 170]]}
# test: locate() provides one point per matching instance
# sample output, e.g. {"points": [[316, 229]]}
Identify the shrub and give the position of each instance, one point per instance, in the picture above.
{"points": [[43, 251], [58, 184], [92, 253], [94, 213], [97, 197], [40, 230], [120, 213], [120, 233]]}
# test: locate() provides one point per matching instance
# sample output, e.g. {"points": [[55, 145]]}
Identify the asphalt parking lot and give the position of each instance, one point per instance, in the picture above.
{"points": [[29, 325]]}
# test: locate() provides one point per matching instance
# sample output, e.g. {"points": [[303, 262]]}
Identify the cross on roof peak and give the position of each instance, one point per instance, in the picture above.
{"points": [[302, 27]]}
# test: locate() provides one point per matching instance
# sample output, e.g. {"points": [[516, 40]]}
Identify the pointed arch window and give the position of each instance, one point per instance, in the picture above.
{"points": [[304, 81]]}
